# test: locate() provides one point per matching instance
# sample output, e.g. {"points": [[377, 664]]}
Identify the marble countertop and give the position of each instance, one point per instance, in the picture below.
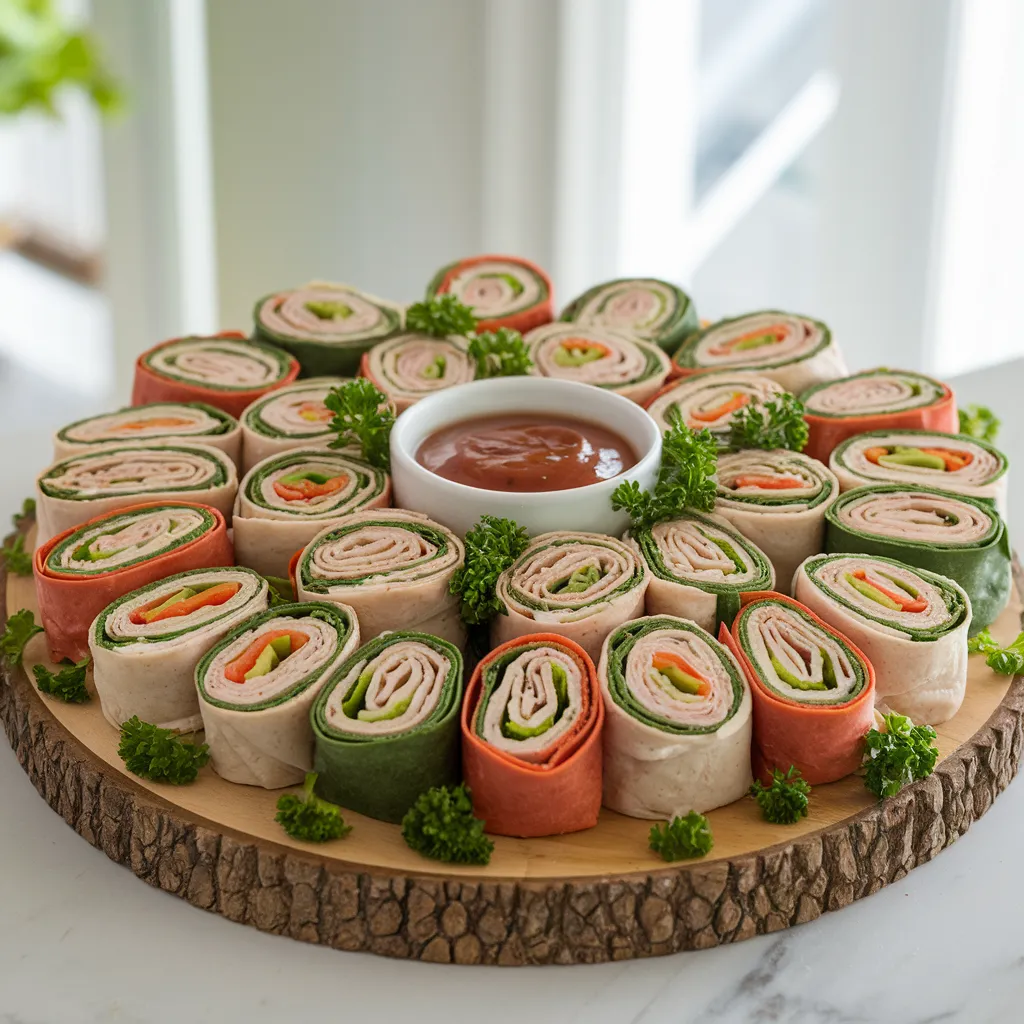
{"points": [[83, 941]]}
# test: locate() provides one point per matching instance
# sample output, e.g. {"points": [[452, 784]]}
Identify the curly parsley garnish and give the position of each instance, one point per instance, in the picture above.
{"points": [[362, 417], [16, 558], [307, 816], [682, 838], [441, 825], [980, 422], [898, 754], [784, 801], [441, 316], [66, 684], [778, 423], [491, 547], [20, 628], [500, 353], [160, 754], [1007, 661]]}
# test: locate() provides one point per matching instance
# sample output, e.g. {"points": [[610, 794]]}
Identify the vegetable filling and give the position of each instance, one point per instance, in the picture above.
{"points": [[185, 602], [264, 654], [305, 485]]}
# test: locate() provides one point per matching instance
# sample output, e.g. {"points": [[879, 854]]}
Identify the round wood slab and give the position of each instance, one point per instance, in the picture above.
{"points": [[593, 896]]}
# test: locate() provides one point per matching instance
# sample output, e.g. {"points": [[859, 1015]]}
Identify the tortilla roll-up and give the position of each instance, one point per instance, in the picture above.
{"points": [[227, 371], [678, 720], [813, 689], [386, 725], [777, 500], [911, 625], [409, 367], [82, 570], [145, 645], [578, 585], [392, 566], [875, 400], [326, 326], [608, 359], [502, 291], [795, 351], [152, 424], [257, 686], [711, 401], [641, 307], [962, 538], [290, 417], [81, 487], [531, 738], [700, 566], [286, 500], [955, 463]]}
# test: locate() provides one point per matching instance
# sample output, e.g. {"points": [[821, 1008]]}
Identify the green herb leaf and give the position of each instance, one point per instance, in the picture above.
{"points": [[441, 316], [1008, 661], [160, 754], [363, 417], [785, 800], [983, 643], [20, 628], [491, 547], [16, 558], [66, 684], [686, 478], [309, 817], [898, 754], [779, 423], [682, 838], [441, 826], [500, 353], [28, 511], [980, 422], [280, 590]]}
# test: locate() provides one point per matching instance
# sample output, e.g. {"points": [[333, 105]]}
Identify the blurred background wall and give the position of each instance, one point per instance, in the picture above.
{"points": [[857, 160]]}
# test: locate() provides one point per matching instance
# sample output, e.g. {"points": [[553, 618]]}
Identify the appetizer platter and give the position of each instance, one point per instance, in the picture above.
{"points": [[468, 632]]}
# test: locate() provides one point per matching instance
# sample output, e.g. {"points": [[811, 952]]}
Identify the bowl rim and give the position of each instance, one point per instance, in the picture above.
{"points": [[402, 455]]}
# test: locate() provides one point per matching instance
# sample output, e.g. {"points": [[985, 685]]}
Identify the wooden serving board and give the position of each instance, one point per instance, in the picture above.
{"points": [[592, 896]]}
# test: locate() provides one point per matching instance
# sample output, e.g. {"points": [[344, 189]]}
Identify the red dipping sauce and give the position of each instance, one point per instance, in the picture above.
{"points": [[526, 452]]}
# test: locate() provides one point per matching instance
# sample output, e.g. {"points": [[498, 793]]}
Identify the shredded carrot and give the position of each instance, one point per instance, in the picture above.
{"points": [[724, 348], [737, 401], [235, 670], [768, 483], [954, 460], [906, 603], [303, 490], [666, 659], [314, 412], [216, 595], [874, 454]]}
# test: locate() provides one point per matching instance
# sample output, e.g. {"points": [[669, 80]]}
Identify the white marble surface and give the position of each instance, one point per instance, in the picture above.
{"points": [[83, 940]]}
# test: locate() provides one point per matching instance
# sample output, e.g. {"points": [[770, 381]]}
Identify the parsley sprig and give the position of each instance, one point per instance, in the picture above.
{"points": [[979, 421], [1007, 661], [500, 353], [778, 423], [16, 558], [304, 815], [686, 478], [362, 417], [898, 754], [491, 547], [440, 317], [28, 510], [66, 684], [160, 754], [784, 801], [441, 825], [20, 628], [682, 838]]}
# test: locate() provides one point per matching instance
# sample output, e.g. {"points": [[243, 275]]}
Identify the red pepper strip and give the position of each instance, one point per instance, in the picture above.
{"points": [[907, 604], [665, 659], [874, 454], [725, 347], [235, 670], [737, 401], [154, 421], [303, 490], [954, 460], [583, 345], [219, 594], [768, 483], [314, 412]]}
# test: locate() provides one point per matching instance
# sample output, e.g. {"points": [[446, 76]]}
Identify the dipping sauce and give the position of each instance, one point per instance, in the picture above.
{"points": [[526, 452]]}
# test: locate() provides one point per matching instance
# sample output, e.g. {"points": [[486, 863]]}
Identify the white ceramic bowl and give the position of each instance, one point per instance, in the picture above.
{"points": [[458, 506]]}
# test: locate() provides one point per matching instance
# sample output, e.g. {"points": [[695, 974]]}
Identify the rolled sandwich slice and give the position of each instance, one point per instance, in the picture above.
{"points": [[145, 645], [711, 401], [286, 500], [392, 566], [813, 689], [149, 424], [958, 537], [911, 625], [291, 417], [955, 463], [678, 720], [777, 500], [409, 367], [878, 399], [386, 724], [257, 686], [226, 371], [502, 291], [609, 359], [642, 307], [531, 738], [578, 585], [700, 568], [795, 351], [82, 570], [327, 327], [115, 476]]}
